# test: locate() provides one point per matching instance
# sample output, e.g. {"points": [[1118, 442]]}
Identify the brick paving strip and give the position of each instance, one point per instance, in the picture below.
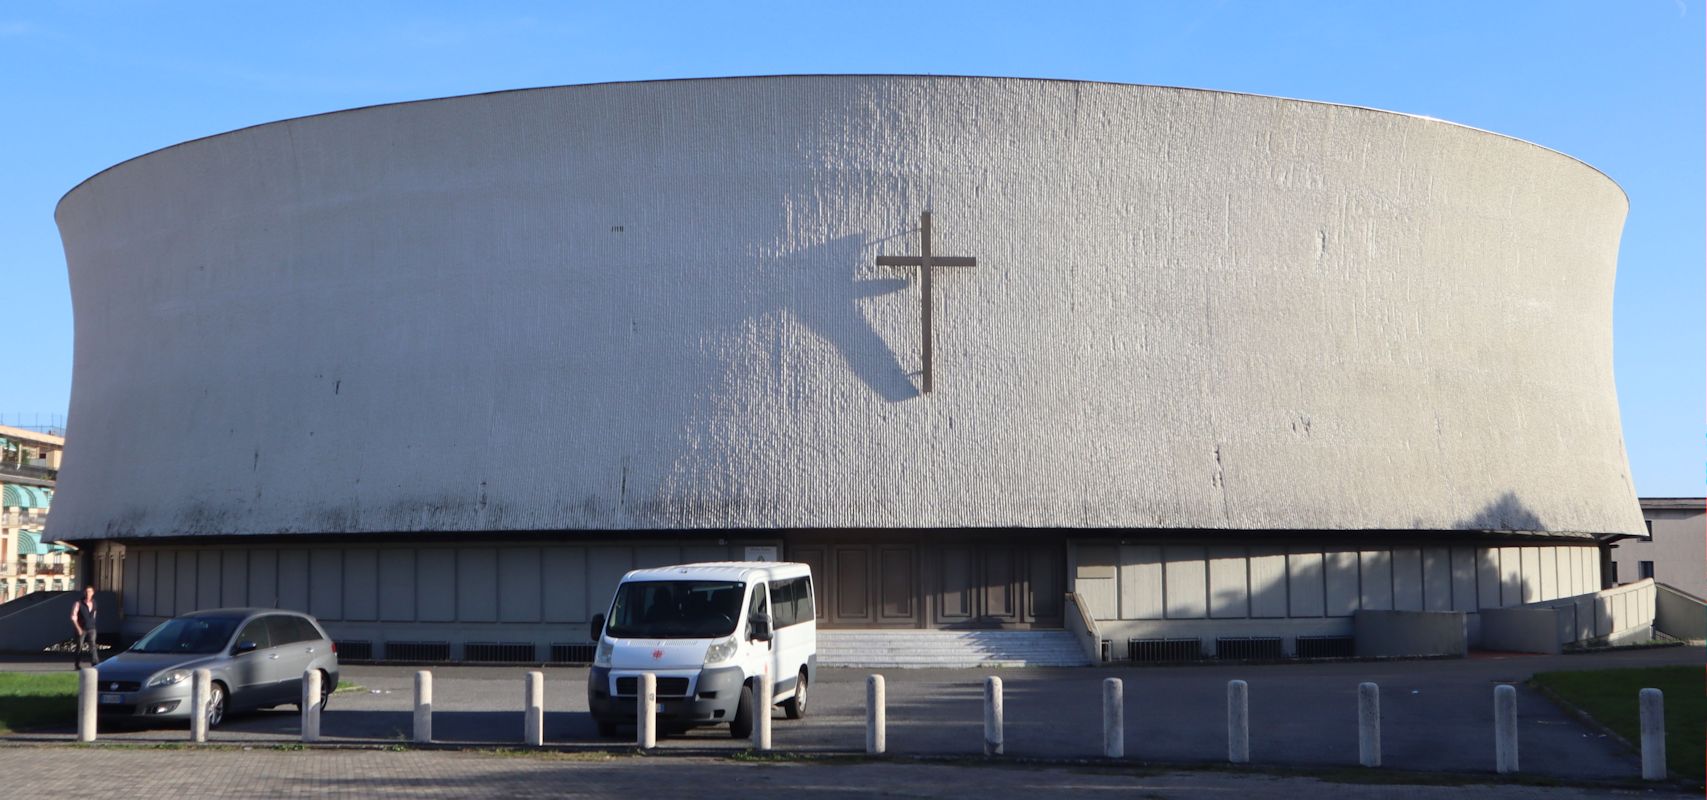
{"points": [[179, 772]]}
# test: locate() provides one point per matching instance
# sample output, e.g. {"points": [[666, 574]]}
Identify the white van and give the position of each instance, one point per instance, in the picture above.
{"points": [[709, 632]]}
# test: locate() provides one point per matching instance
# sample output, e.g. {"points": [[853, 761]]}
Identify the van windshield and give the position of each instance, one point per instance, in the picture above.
{"points": [[675, 609]]}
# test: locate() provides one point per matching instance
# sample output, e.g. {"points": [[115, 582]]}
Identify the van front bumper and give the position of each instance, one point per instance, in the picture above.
{"points": [[716, 693]]}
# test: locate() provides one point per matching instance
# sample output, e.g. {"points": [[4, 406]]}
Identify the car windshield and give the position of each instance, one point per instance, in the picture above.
{"points": [[675, 609], [188, 635]]}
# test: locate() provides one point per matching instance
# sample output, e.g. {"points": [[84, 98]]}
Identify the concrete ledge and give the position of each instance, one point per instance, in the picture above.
{"points": [[1521, 630], [1389, 634]]}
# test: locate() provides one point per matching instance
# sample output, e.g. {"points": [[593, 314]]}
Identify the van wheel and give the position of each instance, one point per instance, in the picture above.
{"points": [[607, 730], [742, 726], [795, 707]]}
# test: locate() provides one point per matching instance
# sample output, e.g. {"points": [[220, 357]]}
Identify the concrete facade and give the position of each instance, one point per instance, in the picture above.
{"points": [[1220, 339], [1312, 589], [654, 306], [381, 592]]}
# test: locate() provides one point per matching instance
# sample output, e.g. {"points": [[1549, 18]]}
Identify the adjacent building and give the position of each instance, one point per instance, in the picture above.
{"points": [[1674, 549], [29, 466]]}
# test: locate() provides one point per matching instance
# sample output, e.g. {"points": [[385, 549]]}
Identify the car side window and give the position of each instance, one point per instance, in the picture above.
{"points": [[256, 631], [282, 629], [305, 630]]}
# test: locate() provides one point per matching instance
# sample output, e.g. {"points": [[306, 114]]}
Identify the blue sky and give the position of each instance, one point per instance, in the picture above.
{"points": [[84, 85]]}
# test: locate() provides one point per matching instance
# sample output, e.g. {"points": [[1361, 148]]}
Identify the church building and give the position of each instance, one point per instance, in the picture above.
{"points": [[1178, 373]]}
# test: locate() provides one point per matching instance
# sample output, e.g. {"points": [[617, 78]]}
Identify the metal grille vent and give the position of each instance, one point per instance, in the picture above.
{"points": [[1105, 650], [1164, 649], [1325, 647], [572, 653], [498, 651], [417, 651], [1249, 648], [353, 650]]}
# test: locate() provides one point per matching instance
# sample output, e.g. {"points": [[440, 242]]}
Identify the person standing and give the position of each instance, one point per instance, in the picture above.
{"points": [[83, 619]]}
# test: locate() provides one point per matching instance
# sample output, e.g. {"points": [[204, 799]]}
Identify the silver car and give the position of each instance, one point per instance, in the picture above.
{"points": [[257, 657]]}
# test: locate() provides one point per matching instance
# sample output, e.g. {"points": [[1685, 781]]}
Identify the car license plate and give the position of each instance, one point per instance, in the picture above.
{"points": [[111, 699]]}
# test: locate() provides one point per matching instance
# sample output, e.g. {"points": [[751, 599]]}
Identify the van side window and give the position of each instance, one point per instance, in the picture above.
{"points": [[791, 601], [782, 604], [760, 604]]}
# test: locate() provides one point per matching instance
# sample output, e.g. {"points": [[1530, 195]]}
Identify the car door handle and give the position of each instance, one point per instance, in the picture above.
{"points": [[273, 656], [310, 649]]}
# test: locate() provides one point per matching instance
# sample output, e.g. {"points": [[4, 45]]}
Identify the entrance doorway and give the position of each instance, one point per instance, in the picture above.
{"points": [[869, 582]]}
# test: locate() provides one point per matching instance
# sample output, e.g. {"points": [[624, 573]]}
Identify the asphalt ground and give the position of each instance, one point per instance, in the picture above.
{"points": [[1437, 714], [148, 774]]}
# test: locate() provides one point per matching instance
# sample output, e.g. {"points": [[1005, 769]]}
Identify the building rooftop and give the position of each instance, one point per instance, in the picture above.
{"points": [[1687, 503], [26, 435]]}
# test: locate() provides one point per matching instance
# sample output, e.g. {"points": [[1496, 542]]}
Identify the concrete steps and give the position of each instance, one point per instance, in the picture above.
{"points": [[915, 649]]}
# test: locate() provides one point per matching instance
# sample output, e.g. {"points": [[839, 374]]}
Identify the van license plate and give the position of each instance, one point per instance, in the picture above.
{"points": [[111, 699]]}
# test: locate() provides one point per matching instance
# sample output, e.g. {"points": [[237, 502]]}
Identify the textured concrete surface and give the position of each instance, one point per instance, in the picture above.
{"points": [[171, 775], [1437, 715], [655, 305]]}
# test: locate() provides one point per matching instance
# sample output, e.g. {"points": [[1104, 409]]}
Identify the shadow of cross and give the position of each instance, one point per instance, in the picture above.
{"points": [[925, 261]]}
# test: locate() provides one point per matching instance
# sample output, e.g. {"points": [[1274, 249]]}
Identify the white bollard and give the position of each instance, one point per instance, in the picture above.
{"points": [[646, 712], [311, 705], [201, 687], [1113, 718], [533, 701], [87, 694], [1505, 729], [762, 714], [1653, 711], [876, 722], [992, 716], [1369, 724], [1238, 722], [423, 706]]}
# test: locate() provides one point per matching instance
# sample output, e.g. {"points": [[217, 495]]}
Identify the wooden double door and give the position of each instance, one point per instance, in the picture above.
{"points": [[974, 583]]}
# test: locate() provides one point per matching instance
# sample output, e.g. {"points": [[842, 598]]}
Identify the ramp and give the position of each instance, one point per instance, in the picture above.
{"points": [[1679, 614], [39, 620]]}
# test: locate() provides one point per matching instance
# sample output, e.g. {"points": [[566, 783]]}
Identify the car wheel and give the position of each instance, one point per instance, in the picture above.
{"points": [[325, 692], [215, 705], [607, 729], [742, 726], [795, 707]]}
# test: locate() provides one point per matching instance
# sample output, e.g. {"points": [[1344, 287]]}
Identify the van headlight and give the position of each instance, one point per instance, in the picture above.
{"points": [[720, 651], [601, 656], [169, 678]]}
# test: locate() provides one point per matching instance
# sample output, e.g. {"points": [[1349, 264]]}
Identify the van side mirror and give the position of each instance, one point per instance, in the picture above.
{"points": [[244, 646], [760, 624], [597, 627]]}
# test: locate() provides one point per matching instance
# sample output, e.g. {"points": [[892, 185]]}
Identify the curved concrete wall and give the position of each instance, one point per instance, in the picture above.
{"points": [[656, 306]]}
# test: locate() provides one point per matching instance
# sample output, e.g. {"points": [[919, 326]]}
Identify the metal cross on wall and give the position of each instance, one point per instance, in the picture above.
{"points": [[925, 261]]}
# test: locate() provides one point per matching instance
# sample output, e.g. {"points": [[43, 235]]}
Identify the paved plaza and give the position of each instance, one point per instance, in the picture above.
{"points": [[144, 774], [1438, 715]]}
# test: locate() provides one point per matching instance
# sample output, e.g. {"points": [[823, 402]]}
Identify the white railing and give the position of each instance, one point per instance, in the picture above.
{"points": [[1083, 627]]}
